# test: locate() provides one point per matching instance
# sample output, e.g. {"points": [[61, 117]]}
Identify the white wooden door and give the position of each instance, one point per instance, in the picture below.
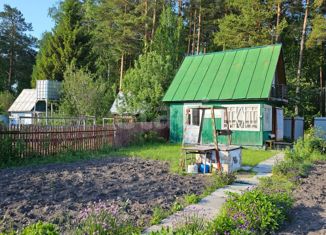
{"points": [[192, 124], [279, 124]]}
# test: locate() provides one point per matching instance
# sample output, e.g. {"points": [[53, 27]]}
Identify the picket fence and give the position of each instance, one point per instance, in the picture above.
{"points": [[48, 140]]}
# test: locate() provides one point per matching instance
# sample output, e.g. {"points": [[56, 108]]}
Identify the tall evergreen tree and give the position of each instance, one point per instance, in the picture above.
{"points": [[248, 23], [169, 41], [69, 43], [118, 38], [17, 50]]}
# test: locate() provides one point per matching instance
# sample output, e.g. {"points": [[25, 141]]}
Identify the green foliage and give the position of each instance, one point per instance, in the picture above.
{"points": [[148, 137], [8, 153], [168, 44], [305, 151], [68, 43], [253, 211], [158, 214], [176, 206], [247, 24], [6, 99], [144, 85], [104, 219], [90, 97], [17, 50], [40, 228], [251, 157], [192, 199]]}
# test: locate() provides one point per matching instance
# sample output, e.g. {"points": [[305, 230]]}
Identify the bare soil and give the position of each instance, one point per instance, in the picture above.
{"points": [[309, 212], [58, 192]]}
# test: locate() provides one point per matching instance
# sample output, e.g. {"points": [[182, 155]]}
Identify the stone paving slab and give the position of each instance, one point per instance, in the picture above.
{"points": [[210, 206]]}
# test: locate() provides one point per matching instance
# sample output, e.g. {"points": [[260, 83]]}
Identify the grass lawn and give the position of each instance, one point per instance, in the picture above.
{"points": [[251, 157], [172, 152], [156, 151]]}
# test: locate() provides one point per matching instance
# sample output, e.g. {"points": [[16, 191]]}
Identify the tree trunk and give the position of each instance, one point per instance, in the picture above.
{"points": [[146, 25], [154, 21], [189, 33], [199, 28], [279, 8], [194, 34], [322, 91], [121, 71], [11, 64], [179, 7], [304, 27]]}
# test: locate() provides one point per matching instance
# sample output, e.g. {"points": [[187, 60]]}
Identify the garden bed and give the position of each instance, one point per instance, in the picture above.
{"points": [[309, 211], [58, 192]]}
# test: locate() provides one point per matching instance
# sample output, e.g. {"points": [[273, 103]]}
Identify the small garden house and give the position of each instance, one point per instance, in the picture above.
{"points": [[249, 82]]}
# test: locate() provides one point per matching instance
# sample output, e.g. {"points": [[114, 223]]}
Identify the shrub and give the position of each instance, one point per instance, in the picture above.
{"points": [[8, 153], [192, 199], [158, 214], [40, 228], [192, 226], [252, 212], [148, 137], [218, 181], [176, 206], [104, 219]]}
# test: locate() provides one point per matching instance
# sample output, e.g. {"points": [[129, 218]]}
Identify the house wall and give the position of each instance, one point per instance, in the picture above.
{"points": [[14, 118], [239, 137]]}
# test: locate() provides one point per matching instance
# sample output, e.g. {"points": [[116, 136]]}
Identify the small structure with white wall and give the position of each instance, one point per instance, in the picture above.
{"points": [[32, 103]]}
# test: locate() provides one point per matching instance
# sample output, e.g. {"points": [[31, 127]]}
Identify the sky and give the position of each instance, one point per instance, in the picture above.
{"points": [[35, 12]]}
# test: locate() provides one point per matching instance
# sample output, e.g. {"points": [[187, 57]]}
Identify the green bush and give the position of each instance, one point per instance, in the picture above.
{"points": [[253, 212], [218, 181], [40, 228], [191, 199], [192, 226], [176, 206], [8, 153], [148, 137], [104, 219], [158, 214]]}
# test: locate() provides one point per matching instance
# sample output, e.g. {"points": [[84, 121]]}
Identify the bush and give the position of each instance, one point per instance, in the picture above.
{"points": [[220, 180], [148, 137], [253, 212], [8, 153], [40, 228], [191, 199], [104, 219], [192, 226], [158, 214]]}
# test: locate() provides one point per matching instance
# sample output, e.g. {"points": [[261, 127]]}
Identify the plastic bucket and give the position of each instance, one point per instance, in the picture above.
{"points": [[192, 169], [204, 167]]}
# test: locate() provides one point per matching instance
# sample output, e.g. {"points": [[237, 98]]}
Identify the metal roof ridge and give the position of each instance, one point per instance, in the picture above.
{"points": [[237, 49]]}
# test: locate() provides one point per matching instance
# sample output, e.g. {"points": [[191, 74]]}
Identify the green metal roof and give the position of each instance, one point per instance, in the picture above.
{"points": [[245, 73]]}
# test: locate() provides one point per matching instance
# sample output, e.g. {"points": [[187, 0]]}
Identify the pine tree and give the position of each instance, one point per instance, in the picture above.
{"points": [[17, 50], [144, 85], [118, 37], [69, 43], [168, 41], [248, 23]]}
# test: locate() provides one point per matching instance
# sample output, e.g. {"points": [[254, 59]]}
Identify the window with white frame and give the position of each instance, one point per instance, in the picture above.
{"points": [[243, 117], [192, 115]]}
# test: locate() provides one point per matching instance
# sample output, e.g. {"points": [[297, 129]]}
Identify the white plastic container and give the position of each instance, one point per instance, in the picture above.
{"points": [[192, 169]]}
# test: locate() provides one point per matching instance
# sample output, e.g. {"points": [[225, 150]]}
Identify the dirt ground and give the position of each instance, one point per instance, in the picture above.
{"points": [[58, 192], [309, 212]]}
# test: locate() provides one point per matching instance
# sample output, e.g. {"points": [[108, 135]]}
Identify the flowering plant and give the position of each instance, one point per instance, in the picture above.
{"points": [[103, 218]]}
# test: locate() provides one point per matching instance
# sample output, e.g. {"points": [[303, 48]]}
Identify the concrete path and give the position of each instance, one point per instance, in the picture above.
{"points": [[209, 207]]}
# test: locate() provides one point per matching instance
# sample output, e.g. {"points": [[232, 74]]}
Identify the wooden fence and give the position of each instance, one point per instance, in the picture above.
{"points": [[49, 140]]}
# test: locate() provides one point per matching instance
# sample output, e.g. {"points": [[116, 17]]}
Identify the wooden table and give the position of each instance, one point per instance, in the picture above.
{"points": [[198, 149]]}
